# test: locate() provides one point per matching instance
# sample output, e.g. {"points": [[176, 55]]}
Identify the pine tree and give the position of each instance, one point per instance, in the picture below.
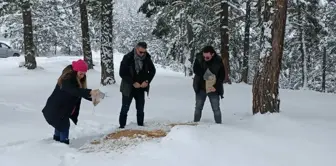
{"points": [[106, 51]]}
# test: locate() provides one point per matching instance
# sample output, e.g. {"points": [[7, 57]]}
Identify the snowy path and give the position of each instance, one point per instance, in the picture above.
{"points": [[303, 134]]}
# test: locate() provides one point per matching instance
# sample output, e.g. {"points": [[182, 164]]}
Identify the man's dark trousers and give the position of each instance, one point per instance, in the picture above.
{"points": [[215, 105], [139, 97]]}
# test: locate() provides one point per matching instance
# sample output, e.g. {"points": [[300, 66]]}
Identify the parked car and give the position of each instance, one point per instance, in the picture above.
{"points": [[7, 51]]}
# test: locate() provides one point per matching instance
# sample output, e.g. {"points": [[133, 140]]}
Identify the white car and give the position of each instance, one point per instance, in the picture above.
{"points": [[7, 51]]}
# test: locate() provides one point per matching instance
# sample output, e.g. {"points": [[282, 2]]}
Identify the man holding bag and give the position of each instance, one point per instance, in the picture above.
{"points": [[208, 81]]}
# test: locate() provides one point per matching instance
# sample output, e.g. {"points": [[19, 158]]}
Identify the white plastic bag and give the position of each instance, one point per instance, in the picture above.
{"points": [[97, 98]]}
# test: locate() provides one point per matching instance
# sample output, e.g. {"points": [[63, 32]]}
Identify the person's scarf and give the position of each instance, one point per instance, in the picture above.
{"points": [[138, 62]]}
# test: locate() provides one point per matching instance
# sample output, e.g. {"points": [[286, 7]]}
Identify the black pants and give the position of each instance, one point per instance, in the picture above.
{"points": [[139, 97]]}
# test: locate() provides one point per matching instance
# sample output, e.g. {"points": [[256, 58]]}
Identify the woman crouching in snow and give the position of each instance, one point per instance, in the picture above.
{"points": [[64, 102]]}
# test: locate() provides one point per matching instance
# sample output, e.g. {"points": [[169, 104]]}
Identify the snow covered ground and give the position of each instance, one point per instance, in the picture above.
{"points": [[303, 134]]}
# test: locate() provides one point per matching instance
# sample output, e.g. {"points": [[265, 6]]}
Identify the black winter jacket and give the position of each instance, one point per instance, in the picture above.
{"points": [[129, 76], [216, 66], [64, 103]]}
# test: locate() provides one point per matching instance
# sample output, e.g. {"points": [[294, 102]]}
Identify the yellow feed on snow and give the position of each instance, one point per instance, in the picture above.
{"points": [[133, 134]]}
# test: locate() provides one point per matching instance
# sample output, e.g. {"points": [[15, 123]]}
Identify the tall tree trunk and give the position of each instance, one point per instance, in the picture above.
{"points": [[56, 15], [266, 84], [191, 48], [106, 50], [30, 61], [246, 42], [302, 47], [224, 34], [324, 69], [86, 44]]}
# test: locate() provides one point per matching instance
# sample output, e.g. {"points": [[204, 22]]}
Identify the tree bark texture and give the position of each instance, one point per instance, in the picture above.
{"points": [[106, 50], [324, 69], [224, 33], [190, 39], [246, 43], [30, 61], [86, 44], [266, 83]]}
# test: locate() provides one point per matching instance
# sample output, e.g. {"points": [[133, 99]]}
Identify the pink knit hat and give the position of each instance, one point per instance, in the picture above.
{"points": [[80, 65]]}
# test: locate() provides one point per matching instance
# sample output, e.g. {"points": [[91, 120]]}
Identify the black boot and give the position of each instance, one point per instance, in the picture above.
{"points": [[140, 124], [140, 119], [197, 117], [65, 142], [56, 138], [122, 120]]}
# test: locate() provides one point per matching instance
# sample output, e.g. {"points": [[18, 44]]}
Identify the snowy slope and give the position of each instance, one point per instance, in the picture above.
{"points": [[302, 135]]}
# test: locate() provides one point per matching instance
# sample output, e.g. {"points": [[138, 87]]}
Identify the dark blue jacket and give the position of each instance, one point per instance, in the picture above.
{"points": [[64, 103]]}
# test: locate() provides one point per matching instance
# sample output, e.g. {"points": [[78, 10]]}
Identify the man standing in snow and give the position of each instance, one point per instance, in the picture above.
{"points": [[137, 71], [208, 81]]}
